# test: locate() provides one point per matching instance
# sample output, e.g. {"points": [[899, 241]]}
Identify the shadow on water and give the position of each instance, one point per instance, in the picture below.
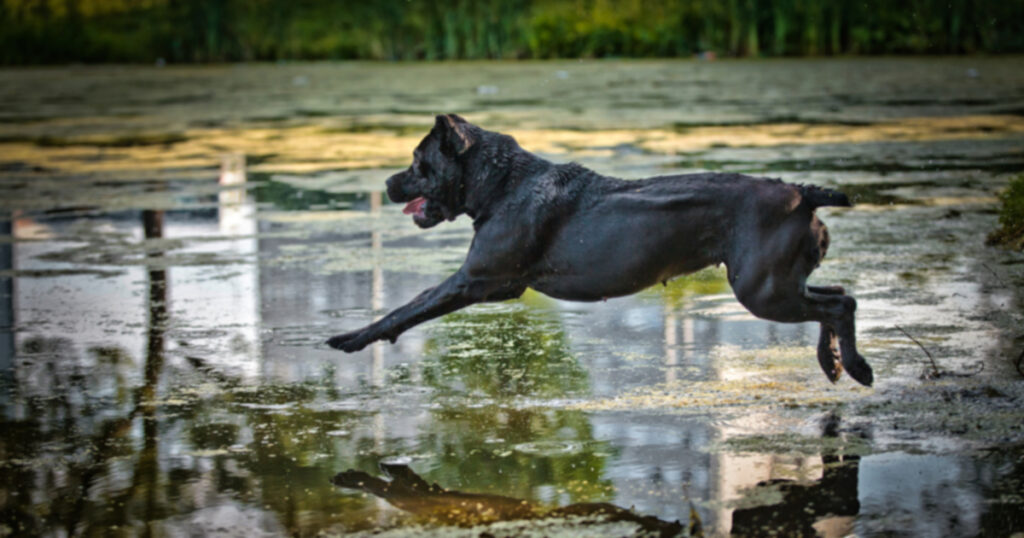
{"points": [[804, 507], [777, 507], [434, 504]]}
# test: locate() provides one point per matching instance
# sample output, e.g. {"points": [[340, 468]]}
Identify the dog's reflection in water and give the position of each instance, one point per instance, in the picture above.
{"points": [[434, 504], [825, 507]]}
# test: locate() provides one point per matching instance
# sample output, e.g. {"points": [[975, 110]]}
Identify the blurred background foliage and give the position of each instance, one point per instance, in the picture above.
{"points": [[60, 31]]}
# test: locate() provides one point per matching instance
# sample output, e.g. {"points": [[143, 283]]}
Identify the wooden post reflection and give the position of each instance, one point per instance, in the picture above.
{"points": [[376, 290], [377, 348], [237, 224], [688, 343], [6, 301], [147, 468], [153, 226], [671, 344], [674, 345], [231, 210]]}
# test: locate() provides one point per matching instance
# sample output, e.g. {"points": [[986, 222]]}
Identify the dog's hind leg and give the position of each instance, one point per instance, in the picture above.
{"points": [[781, 295], [828, 343], [828, 353], [839, 313]]}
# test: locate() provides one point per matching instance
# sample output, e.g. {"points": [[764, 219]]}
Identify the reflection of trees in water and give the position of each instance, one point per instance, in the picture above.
{"points": [[165, 448], [66, 421], [69, 417], [706, 282], [519, 452], [158, 449], [284, 467], [503, 351], [191, 455], [271, 447]]}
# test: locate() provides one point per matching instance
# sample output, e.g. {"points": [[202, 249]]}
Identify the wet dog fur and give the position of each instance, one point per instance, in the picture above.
{"points": [[571, 233]]}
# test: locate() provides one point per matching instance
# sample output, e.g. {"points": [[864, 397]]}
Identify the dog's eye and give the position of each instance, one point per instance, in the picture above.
{"points": [[423, 168]]}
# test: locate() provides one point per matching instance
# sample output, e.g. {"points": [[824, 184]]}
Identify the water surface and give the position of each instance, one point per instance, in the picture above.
{"points": [[164, 306]]}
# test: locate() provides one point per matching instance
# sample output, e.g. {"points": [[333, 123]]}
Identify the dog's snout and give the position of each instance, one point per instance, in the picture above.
{"points": [[396, 188]]}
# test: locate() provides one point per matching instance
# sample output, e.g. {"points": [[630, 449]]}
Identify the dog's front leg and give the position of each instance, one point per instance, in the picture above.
{"points": [[458, 291]]}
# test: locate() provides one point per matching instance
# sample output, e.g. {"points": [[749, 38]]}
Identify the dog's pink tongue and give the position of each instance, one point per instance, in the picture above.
{"points": [[415, 207]]}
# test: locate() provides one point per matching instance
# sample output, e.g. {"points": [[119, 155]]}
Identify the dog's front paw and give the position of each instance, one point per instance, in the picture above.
{"points": [[351, 341]]}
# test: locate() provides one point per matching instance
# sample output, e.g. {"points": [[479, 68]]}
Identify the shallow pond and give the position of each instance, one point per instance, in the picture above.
{"points": [[176, 244]]}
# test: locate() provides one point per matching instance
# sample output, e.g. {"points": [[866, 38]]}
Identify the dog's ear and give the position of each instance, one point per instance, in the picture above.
{"points": [[455, 132]]}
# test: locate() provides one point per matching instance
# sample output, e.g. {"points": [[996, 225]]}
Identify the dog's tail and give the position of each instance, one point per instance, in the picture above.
{"points": [[815, 196]]}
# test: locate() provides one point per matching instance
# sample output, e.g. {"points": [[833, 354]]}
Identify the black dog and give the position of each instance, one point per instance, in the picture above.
{"points": [[573, 234]]}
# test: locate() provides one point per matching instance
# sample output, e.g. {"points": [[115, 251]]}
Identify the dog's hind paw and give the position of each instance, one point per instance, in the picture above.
{"points": [[859, 370], [830, 365], [828, 356]]}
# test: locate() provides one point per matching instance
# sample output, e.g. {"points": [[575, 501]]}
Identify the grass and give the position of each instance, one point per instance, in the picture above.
{"points": [[1011, 217], [56, 31]]}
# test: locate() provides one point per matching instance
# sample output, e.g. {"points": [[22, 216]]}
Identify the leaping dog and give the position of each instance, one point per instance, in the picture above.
{"points": [[573, 234]]}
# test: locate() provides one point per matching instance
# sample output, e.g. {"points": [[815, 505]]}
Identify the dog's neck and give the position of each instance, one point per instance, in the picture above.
{"points": [[495, 174]]}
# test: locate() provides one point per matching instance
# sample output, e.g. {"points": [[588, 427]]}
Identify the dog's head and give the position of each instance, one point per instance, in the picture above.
{"points": [[433, 187]]}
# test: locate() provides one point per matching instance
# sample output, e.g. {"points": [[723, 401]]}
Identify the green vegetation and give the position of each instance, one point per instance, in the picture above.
{"points": [[53, 31], [1011, 217], [503, 351], [704, 282]]}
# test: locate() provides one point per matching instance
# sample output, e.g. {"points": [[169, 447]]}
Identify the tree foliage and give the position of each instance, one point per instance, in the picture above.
{"points": [[47, 31]]}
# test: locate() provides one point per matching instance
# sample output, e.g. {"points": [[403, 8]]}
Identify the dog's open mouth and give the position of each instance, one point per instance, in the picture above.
{"points": [[416, 208]]}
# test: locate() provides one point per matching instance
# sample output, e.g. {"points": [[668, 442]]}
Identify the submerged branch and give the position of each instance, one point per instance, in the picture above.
{"points": [[935, 367]]}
